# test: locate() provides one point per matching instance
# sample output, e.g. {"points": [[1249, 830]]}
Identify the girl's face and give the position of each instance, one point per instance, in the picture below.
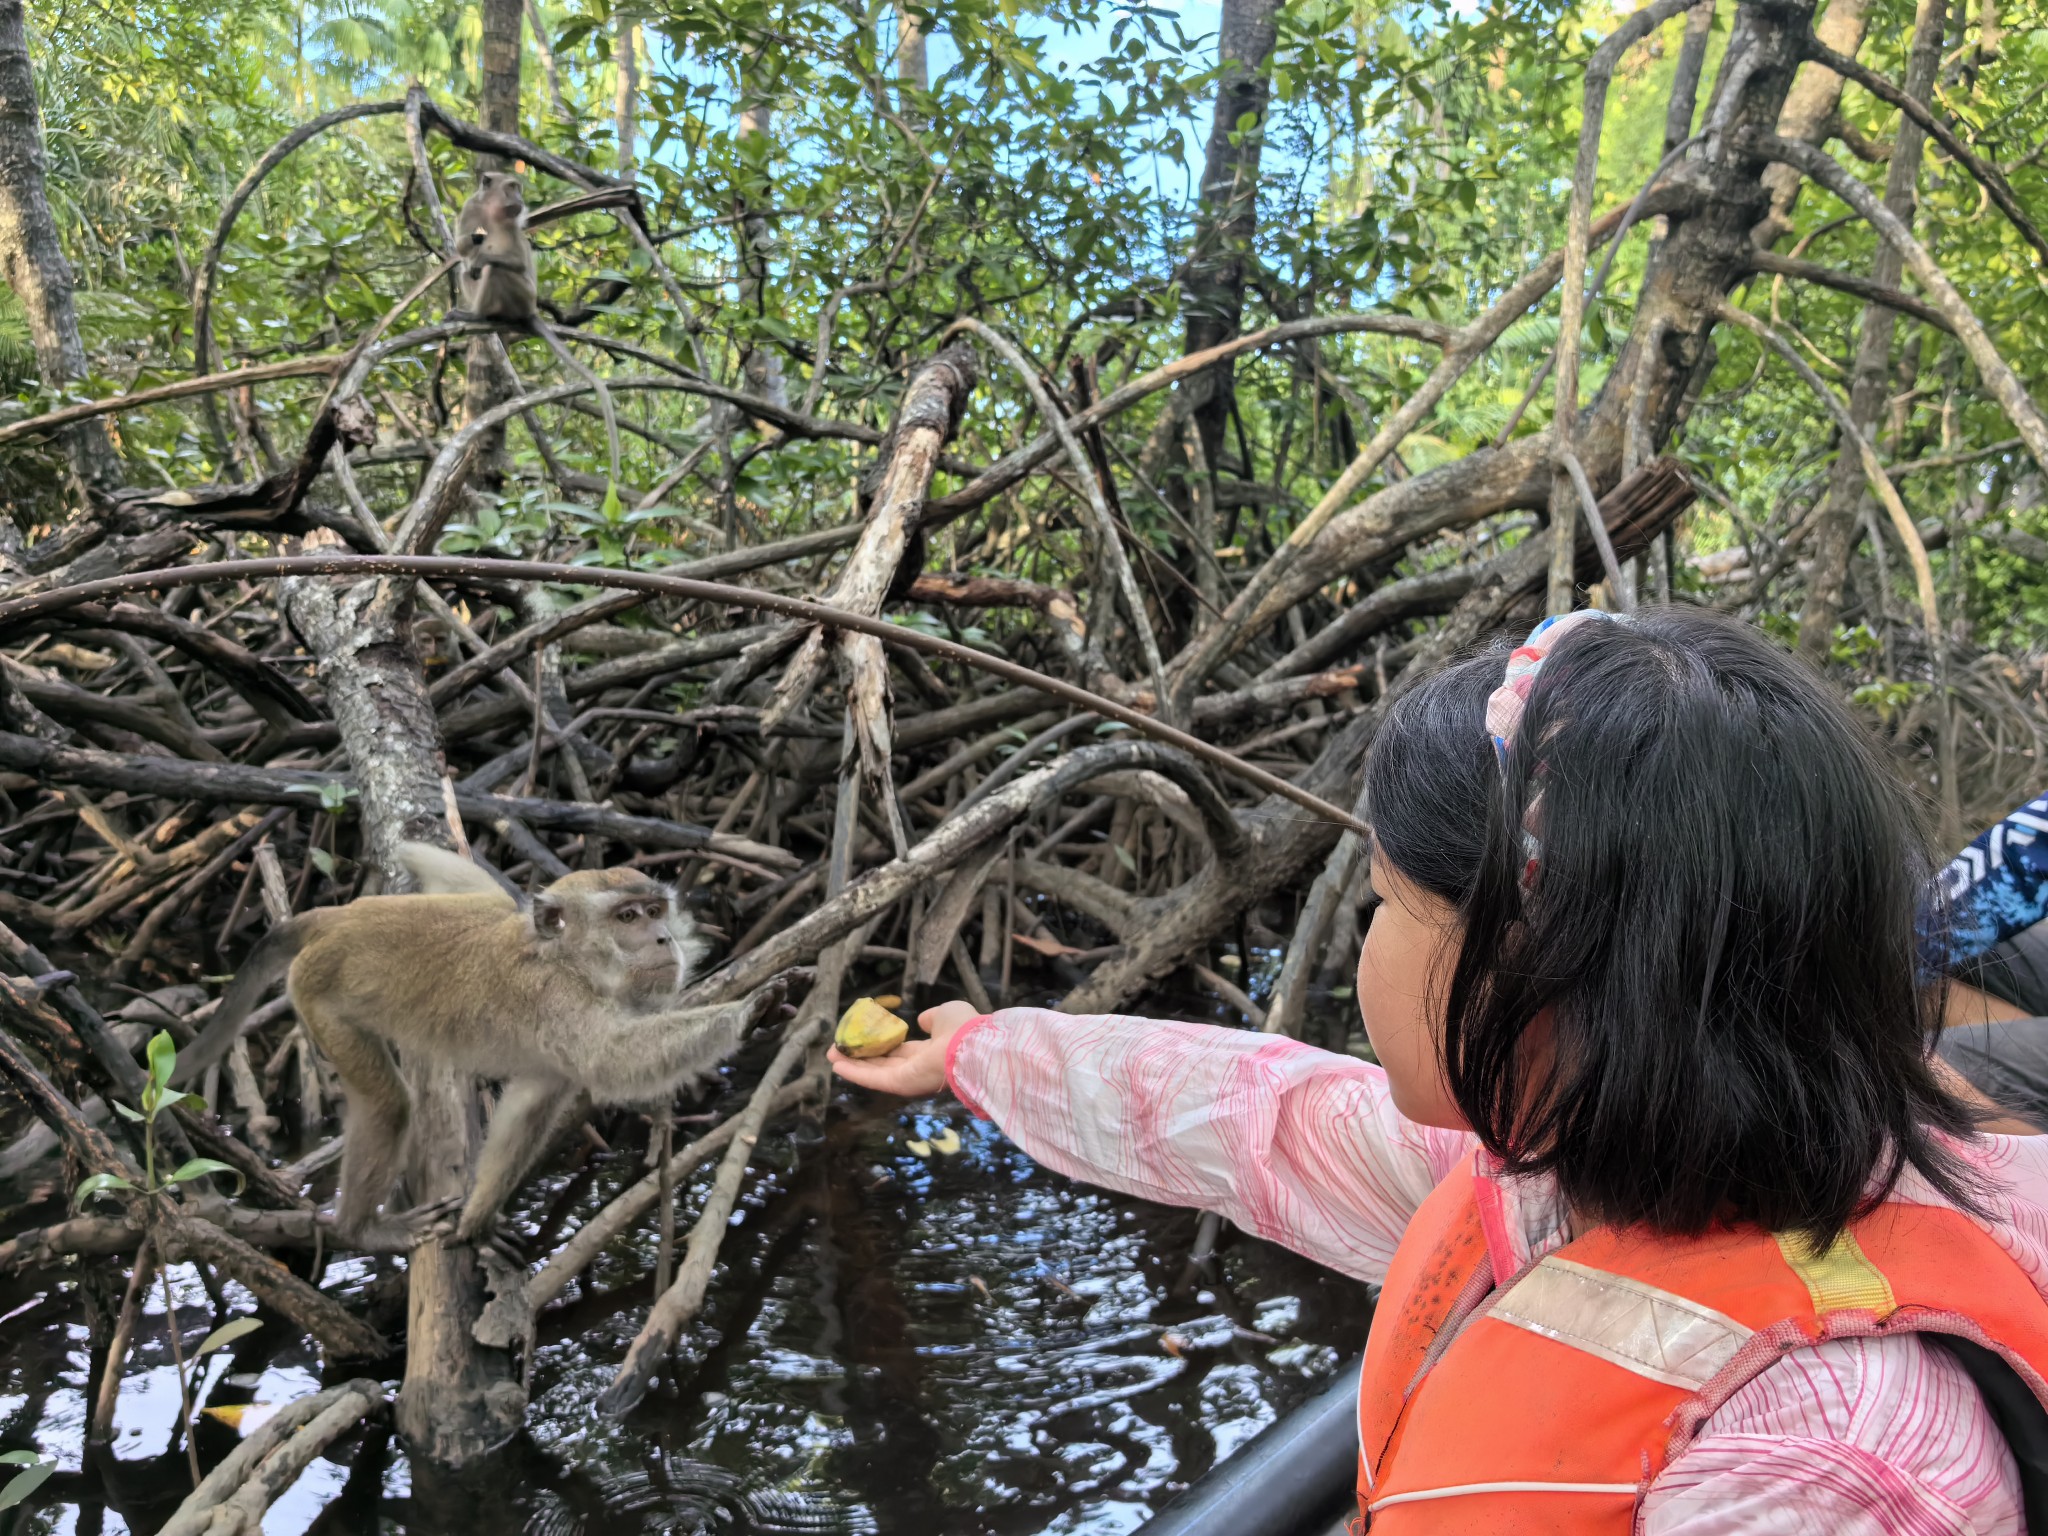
{"points": [[1409, 951]]}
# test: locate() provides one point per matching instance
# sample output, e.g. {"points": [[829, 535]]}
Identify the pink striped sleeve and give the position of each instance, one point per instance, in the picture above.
{"points": [[1855, 1437], [1295, 1144]]}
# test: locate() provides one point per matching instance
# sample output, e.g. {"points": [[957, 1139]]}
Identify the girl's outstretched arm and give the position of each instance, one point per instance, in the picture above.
{"points": [[1295, 1144]]}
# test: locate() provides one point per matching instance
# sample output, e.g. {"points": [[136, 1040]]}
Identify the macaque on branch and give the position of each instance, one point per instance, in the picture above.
{"points": [[568, 1002]]}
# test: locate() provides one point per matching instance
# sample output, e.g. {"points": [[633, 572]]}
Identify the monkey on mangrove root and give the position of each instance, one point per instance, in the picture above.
{"points": [[569, 1001], [498, 280]]}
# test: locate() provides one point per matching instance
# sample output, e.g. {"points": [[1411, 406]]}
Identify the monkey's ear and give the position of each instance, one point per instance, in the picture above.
{"points": [[549, 917]]}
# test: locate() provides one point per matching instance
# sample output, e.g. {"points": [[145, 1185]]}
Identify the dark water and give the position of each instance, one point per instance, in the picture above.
{"points": [[894, 1343]]}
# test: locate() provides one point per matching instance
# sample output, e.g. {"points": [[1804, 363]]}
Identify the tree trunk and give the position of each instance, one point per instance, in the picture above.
{"points": [[1685, 79], [498, 107], [1213, 289], [626, 58], [487, 381], [912, 69], [761, 368], [33, 261], [1810, 109], [1838, 527], [459, 1399], [550, 72]]}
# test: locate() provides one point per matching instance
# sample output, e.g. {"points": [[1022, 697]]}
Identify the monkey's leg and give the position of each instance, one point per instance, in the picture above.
{"points": [[569, 361], [379, 1118], [528, 1113]]}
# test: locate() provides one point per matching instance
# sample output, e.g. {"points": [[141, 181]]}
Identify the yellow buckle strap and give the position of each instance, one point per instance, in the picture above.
{"points": [[1839, 1278]]}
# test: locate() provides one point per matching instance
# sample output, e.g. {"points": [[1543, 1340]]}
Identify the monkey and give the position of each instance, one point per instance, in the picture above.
{"points": [[569, 1001], [498, 280]]}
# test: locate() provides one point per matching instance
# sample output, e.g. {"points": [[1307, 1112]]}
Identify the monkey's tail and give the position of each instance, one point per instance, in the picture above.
{"points": [[267, 963]]}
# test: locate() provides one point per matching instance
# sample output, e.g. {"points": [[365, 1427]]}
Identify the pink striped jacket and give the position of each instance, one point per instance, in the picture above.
{"points": [[1306, 1149]]}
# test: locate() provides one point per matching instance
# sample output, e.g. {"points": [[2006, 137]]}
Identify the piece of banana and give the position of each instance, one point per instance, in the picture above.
{"points": [[869, 1029]]}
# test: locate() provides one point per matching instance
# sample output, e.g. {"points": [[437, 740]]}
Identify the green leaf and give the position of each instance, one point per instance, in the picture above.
{"points": [[613, 508], [226, 1334], [163, 1058], [19, 1458], [1123, 857], [126, 1113], [99, 1184], [200, 1167], [322, 861], [23, 1484]]}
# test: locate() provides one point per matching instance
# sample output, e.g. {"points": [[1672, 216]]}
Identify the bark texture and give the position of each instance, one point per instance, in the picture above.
{"points": [[1213, 290], [31, 257], [1839, 527], [458, 1399], [1809, 111]]}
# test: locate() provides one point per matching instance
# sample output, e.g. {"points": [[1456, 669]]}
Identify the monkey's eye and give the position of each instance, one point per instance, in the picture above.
{"points": [[627, 914]]}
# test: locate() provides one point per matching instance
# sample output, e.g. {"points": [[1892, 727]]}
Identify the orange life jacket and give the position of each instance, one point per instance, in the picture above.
{"points": [[1554, 1408]]}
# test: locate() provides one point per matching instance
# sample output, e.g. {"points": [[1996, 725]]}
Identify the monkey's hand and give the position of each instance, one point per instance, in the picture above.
{"points": [[766, 1001], [449, 1221]]}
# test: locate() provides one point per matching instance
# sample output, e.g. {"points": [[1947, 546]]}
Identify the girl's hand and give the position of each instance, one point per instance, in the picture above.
{"points": [[916, 1068]]}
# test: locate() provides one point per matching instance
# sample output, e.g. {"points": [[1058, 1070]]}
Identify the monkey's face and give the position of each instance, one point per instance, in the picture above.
{"points": [[622, 930], [505, 194]]}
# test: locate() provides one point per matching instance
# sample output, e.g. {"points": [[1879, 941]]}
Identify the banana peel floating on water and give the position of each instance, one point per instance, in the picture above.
{"points": [[869, 1029], [945, 1143]]}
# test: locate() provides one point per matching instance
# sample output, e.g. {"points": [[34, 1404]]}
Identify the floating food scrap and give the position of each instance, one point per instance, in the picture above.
{"points": [[946, 1143], [244, 1418], [869, 1029]]}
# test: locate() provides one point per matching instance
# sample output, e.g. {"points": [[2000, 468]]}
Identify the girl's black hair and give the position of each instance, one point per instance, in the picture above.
{"points": [[1721, 927]]}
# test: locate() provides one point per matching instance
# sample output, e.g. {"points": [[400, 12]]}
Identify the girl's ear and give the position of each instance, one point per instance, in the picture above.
{"points": [[549, 918]]}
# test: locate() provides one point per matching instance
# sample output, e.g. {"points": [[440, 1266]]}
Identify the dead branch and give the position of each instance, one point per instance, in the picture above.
{"points": [[183, 389], [675, 1307], [1987, 174], [1998, 377], [1880, 483], [231, 1499], [1247, 610], [24, 609], [1849, 283]]}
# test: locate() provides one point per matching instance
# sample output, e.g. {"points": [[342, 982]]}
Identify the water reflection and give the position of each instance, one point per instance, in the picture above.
{"points": [[894, 1343]]}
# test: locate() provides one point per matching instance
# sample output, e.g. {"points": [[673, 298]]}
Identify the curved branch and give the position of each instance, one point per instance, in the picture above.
{"points": [[209, 262], [1572, 295], [1873, 471], [184, 389], [1015, 465], [1466, 347], [1091, 485], [959, 836], [1998, 377], [24, 609], [249, 674], [1848, 282], [1988, 175]]}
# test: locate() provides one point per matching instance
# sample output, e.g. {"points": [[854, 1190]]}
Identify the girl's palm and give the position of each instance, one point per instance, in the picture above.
{"points": [[916, 1069]]}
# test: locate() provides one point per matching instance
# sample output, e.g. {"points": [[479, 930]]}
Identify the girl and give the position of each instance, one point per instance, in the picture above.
{"points": [[1678, 1228]]}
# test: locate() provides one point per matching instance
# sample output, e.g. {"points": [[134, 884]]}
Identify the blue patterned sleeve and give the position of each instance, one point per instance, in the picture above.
{"points": [[1998, 886]]}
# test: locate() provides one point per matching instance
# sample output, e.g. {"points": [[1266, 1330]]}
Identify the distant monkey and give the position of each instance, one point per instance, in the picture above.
{"points": [[498, 280], [571, 997]]}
